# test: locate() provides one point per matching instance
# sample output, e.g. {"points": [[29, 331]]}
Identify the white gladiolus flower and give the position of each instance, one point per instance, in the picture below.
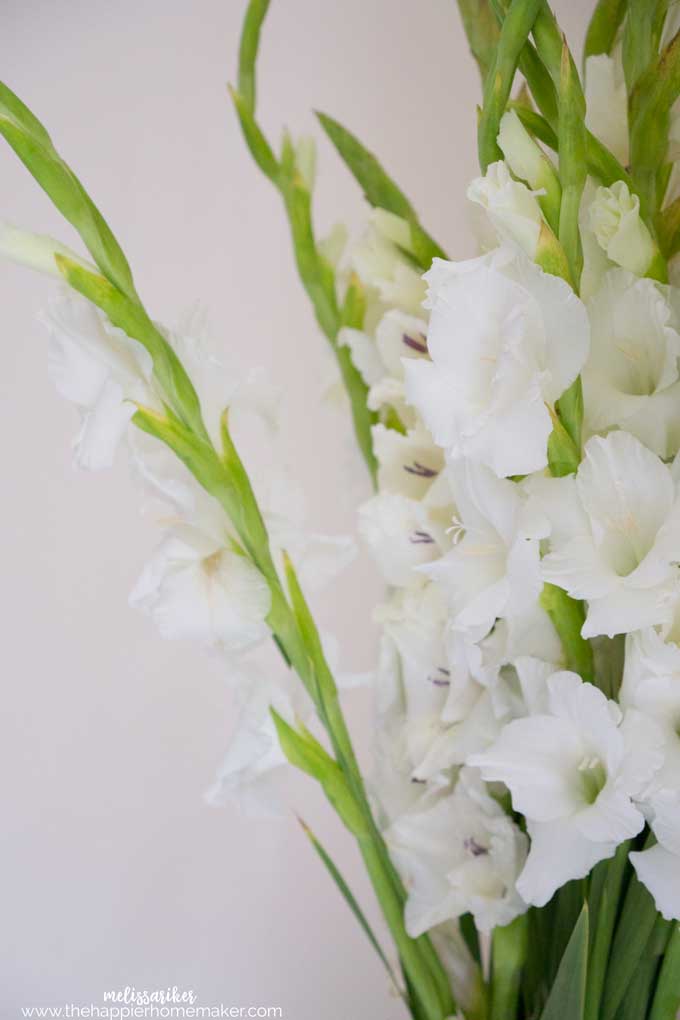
{"points": [[510, 205], [401, 534], [632, 377], [607, 102], [513, 660], [379, 359], [458, 853], [197, 587], [254, 762], [505, 339], [658, 868], [443, 714], [380, 262], [651, 685], [573, 772], [494, 568], [101, 370], [407, 464], [620, 231], [615, 537]]}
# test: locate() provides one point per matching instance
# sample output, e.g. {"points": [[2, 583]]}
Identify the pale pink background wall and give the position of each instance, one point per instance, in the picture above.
{"points": [[113, 871]]}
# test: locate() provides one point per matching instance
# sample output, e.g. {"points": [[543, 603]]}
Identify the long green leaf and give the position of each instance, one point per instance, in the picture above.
{"points": [[509, 948], [640, 38], [515, 30], [378, 187], [649, 114], [32, 144], [640, 989], [571, 134], [351, 901], [633, 930], [666, 1005], [316, 275], [603, 27], [567, 996], [605, 890]]}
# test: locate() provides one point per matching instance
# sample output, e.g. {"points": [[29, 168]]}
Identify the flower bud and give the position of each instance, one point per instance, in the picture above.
{"points": [[526, 159], [37, 251], [305, 160], [616, 222], [511, 207]]}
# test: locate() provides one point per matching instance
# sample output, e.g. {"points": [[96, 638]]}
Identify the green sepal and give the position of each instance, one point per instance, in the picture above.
{"points": [[32, 144], [509, 947], [551, 256], [568, 617], [570, 410], [304, 751], [564, 456], [535, 123], [567, 995]]}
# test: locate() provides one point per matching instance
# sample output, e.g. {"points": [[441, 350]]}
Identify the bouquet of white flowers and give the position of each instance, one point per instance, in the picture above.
{"points": [[519, 415]]}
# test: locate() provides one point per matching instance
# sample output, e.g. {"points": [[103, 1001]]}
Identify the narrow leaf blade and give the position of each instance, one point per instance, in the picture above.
{"points": [[350, 900], [568, 994]]}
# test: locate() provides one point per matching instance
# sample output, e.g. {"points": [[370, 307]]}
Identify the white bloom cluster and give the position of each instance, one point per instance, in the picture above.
{"points": [[501, 774], [198, 585]]}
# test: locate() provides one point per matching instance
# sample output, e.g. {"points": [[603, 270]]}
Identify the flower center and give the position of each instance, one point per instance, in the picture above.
{"points": [[592, 778]]}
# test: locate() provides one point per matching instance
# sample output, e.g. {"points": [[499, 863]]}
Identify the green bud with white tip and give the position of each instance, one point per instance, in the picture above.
{"points": [[527, 161]]}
